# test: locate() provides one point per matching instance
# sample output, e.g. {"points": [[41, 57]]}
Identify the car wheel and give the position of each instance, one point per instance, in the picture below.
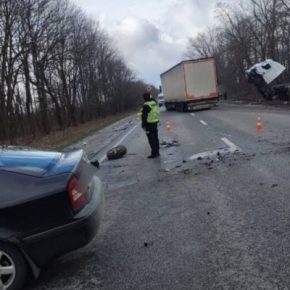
{"points": [[13, 268], [116, 152]]}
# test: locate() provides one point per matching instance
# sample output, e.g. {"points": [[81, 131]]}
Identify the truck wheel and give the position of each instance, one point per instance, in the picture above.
{"points": [[181, 107], [116, 152], [169, 107], [185, 108], [13, 268], [178, 108]]}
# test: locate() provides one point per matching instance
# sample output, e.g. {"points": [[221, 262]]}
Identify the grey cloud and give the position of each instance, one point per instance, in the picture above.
{"points": [[152, 35], [136, 32]]}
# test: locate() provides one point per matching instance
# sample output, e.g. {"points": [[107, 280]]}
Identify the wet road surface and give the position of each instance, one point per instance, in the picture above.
{"points": [[211, 213]]}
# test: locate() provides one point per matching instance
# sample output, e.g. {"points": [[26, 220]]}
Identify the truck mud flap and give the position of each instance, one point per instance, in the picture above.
{"points": [[181, 107], [193, 107]]}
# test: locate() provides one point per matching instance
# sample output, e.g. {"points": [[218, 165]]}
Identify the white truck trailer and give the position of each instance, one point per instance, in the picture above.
{"points": [[190, 85]]}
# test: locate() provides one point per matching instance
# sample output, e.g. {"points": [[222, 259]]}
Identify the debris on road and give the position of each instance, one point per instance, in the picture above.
{"points": [[116, 152], [148, 244], [165, 144], [95, 163], [274, 185], [186, 171]]}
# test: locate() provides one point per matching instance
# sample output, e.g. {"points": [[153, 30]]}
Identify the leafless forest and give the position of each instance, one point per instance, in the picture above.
{"points": [[58, 68]]}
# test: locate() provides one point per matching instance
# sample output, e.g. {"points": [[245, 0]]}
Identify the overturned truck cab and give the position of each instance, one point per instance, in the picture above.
{"points": [[261, 75]]}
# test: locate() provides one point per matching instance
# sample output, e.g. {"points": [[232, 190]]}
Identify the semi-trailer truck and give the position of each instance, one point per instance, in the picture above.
{"points": [[190, 85]]}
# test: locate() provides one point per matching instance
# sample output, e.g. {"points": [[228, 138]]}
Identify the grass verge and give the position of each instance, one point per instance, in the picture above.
{"points": [[60, 139]]}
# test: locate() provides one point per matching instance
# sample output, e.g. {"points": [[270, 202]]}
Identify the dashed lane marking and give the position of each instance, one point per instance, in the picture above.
{"points": [[229, 143]]}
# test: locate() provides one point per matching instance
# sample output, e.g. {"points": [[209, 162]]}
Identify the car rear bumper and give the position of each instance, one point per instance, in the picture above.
{"points": [[44, 246]]}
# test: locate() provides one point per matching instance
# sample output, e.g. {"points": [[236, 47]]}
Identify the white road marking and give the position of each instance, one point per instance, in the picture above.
{"points": [[103, 158], [214, 153], [206, 154], [231, 149], [192, 114], [203, 122], [229, 143]]}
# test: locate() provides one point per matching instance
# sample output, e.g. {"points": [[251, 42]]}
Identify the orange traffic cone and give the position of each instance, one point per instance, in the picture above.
{"points": [[168, 128], [259, 126]]}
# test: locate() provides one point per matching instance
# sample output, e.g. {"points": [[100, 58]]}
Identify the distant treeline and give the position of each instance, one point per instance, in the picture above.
{"points": [[250, 33], [57, 68]]}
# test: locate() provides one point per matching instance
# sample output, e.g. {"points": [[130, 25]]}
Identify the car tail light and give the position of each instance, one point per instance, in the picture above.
{"points": [[77, 198]]}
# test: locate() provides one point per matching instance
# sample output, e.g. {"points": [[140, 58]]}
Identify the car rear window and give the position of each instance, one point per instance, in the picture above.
{"points": [[28, 162]]}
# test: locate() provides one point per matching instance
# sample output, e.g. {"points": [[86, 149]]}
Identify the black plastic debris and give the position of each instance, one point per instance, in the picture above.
{"points": [[186, 171], [172, 143], [148, 244]]}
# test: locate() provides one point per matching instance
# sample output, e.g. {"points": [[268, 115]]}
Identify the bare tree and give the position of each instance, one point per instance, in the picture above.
{"points": [[57, 68], [246, 36]]}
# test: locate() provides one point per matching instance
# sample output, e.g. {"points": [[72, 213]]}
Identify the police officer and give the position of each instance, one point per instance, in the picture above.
{"points": [[150, 119]]}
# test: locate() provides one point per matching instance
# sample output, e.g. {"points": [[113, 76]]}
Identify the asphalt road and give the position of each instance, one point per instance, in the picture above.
{"points": [[211, 213]]}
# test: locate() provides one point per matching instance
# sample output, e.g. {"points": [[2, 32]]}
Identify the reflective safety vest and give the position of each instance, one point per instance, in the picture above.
{"points": [[153, 115]]}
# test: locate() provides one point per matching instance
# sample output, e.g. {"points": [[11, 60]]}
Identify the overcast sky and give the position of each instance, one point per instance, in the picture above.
{"points": [[151, 35]]}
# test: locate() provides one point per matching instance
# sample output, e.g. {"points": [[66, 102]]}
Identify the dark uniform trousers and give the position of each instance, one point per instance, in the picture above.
{"points": [[152, 135]]}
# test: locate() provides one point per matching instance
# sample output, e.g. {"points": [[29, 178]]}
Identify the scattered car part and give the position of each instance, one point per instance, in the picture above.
{"points": [[116, 152], [95, 163], [165, 144]]}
